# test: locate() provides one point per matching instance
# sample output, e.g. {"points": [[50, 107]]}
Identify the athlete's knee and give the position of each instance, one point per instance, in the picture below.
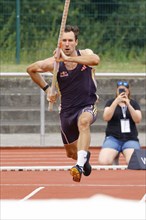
{"points": [[84, 123]]}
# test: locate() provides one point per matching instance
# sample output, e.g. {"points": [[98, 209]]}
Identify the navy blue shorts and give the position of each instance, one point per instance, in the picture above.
{"points": [[69, 123]]}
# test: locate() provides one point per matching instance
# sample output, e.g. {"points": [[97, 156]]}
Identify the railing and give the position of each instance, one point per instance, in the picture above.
{"points": [[115, 75]]}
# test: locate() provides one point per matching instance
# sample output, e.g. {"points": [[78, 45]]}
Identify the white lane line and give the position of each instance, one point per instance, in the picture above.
{"points": [[52, 168], [32, 193], [143, 198], [71, 185]]}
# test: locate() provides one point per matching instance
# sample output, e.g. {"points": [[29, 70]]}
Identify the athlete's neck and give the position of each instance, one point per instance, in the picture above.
{"points": [[71, 65]]}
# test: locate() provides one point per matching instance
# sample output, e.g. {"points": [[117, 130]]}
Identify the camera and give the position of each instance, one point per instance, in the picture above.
{"points": [[121, 90]]}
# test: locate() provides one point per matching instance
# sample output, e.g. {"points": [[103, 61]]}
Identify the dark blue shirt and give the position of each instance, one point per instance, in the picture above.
{"points": [[77, 87]]}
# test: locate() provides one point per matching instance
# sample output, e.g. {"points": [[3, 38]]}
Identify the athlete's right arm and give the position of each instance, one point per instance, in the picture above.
{"points": [[38, 67]]}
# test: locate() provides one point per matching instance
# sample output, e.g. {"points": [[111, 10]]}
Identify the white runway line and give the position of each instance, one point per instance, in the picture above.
{"points": [[53, 168], [32, 193], [143, 198], [71, 185]]}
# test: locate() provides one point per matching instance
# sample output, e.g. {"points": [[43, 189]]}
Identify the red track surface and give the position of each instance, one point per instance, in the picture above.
{"points": [[126, 184]]}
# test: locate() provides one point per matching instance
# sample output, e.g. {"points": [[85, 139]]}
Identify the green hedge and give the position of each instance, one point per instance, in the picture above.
{"points": [[115, 29]]}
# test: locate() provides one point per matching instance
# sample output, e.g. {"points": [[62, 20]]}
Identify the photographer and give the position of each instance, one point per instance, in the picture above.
{"points": [[121, 114]]}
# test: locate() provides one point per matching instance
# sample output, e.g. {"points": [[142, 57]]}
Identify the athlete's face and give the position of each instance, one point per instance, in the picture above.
{"points": [[69, 43]]}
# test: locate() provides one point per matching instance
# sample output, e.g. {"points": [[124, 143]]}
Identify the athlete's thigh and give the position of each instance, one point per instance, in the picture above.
{"points": [[89, 112], [85, 118], [69, 128]]}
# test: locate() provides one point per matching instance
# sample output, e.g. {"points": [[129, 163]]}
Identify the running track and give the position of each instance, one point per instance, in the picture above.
{"points": [[46, 184]]}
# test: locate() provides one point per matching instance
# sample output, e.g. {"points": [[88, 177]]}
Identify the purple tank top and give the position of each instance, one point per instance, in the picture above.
{"points": [[77, 87]]}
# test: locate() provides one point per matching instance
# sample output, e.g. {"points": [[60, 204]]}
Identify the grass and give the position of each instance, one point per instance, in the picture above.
{"points": [[105, 67], [13, 67], [119, 67]]}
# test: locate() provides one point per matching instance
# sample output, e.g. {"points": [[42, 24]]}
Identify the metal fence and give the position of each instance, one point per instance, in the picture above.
{"points": [[29, 29]]}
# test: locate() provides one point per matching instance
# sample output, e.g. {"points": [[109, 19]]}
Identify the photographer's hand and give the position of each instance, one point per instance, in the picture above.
{"points": [[120, 98], [126, 100]]}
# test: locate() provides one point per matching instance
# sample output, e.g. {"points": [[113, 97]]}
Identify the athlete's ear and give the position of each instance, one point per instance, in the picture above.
{"points": [[76, 42]]}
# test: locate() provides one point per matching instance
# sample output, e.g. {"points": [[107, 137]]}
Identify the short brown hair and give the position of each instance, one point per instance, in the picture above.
{"points": [[74, 29]]}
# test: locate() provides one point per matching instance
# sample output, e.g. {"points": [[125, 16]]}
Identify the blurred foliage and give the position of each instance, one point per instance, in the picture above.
{"points": [[115, 29]]}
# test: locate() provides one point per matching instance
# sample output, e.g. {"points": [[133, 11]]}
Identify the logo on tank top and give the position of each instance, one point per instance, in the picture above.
{"points": [[83, 68], [63, 74]]}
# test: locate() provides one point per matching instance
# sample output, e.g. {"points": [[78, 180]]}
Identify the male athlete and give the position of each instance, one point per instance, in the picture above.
{"points": [[77, 89]]}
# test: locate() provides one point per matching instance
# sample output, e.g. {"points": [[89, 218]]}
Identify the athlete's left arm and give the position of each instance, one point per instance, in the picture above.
{"points": [[87, 58]]}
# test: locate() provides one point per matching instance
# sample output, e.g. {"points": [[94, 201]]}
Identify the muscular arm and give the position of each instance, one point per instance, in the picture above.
{"points": [[87, 58], [38, 67], [90, 60]]}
